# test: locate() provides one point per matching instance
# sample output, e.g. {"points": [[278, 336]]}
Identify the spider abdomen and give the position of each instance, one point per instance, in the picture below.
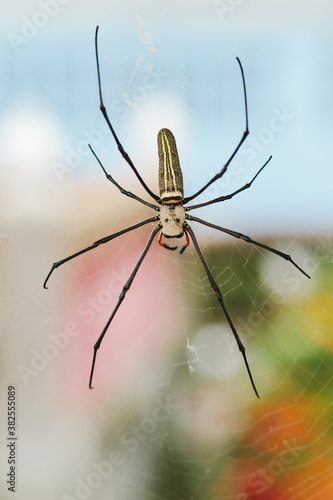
{"points": [[170, 174]]}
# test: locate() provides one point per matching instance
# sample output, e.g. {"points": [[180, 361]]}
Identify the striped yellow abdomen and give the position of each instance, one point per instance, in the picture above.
{"points": [[170, 174]]}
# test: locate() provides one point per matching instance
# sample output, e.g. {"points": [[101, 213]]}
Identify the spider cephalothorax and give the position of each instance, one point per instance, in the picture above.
{"points": [[173, 214]]}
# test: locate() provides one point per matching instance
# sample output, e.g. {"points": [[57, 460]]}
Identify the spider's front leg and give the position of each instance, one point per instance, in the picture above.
{"points": [[244, 136], [106, 117]]}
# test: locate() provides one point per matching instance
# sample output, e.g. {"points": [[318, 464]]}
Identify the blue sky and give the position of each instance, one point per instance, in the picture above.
{"points": [[173, 65]]}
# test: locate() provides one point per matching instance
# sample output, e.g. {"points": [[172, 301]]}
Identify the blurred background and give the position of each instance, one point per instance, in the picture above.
{"points": [[172, 414]]}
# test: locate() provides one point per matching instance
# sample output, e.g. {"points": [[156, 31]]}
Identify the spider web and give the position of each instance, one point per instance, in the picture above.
{"points": [[172, 414], [185, 422], [197, 429], [215, 428]]}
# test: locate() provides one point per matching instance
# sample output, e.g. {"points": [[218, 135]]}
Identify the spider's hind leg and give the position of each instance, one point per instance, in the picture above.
{"points": [[219, 297], [122, 295]]}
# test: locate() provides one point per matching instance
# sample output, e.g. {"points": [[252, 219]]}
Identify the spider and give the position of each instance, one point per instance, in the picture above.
{"points": [[172, 214]]}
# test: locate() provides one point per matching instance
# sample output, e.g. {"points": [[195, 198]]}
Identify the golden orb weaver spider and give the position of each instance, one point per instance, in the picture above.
{"points": [[172, 215]]}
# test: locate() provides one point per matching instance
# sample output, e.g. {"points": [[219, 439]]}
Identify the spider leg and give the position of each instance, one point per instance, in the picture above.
{"points": [[228, 196], [121, 298], [244, 136], [122, 190], [120, 147], [219, 297], [243, 237], [96, 244]]}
